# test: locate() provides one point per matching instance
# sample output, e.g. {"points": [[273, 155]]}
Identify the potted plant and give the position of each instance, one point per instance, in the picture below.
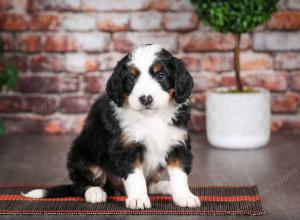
{"points": [[237, 117]]}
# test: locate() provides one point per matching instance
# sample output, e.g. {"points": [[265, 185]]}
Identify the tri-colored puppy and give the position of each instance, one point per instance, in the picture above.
{"points": [[133, 133]]}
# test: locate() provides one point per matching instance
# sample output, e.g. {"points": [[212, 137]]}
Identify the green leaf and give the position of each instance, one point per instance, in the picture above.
{"points": [[1, 48], [14, 49], [2, 80], [11, 73], [2, 128], [235, 16]]}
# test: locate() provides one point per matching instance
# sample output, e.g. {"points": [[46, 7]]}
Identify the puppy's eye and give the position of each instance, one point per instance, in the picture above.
{"points": [[131, 78], [160, 76]]}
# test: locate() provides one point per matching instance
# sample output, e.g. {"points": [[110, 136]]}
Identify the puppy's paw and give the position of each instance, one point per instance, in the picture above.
{"points": [[138, 203], [188, 200], [95, 194]]}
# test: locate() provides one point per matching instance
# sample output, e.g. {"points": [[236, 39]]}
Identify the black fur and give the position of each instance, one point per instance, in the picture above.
{"points": [[181, 79], [115, 86], [100, 142], [183, 155], [59, 191], [183, 82], [183, 116]]}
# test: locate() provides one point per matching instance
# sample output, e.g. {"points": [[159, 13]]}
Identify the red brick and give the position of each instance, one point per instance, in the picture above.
{"points": [[276, 124], [180, 21], [95, 84], [272, 80], [197, 101], [78, 62], [42, 5], [256, 61], [295, 81], [25, 123], [12, 22], [29, 43], [285, 20], [125, 42], [285, 103], [40, 63], [40, 104], [228, 80], [150, 20], [79, 22], [171, 5], [91, 65], [276, 41], [197, 122], [18, 60], [284, 124], [68, 84], [96, 52], [287, 61], [113, 22], [38, 84], [43, 22], [192, 62], [9, 42], [19, 5], [54, 126], [293, 4], [204, 81], [217, 62], [74, 104], [114, 5], [210, 41], [22, 42], [47, 84], [59, 43], [64, 124], [92, 42], [108, 61], [10, 104], [5, 4]]}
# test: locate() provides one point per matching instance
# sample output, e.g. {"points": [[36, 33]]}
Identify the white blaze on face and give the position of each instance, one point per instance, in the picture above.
{"points": [[142, 59]]}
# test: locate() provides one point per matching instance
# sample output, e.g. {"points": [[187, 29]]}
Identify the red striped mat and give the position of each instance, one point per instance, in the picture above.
{"points": [[221, 200]]}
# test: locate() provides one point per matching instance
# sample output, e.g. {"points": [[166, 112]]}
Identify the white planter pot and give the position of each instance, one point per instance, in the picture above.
{"points": [[238, 120]]}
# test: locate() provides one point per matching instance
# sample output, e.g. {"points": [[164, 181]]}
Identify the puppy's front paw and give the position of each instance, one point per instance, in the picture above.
{"points": [[138, 203], [95, 194], [188, 200]]}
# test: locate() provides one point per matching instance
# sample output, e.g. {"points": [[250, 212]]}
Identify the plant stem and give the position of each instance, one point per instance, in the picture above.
{"points": [[239, 85]]}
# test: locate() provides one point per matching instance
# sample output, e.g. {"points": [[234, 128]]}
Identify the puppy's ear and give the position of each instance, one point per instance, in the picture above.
{"points": [[114, 86], [183, 81]]}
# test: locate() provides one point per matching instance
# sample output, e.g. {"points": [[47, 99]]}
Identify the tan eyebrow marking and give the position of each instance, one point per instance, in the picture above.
{"points": [[174, 163], [156, 68], [134, 71]]}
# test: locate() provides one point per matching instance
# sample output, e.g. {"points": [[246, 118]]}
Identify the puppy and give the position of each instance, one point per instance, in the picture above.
{"points": [[133, 133]]}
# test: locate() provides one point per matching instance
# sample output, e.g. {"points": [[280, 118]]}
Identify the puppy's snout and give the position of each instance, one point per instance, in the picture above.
{"points": [[146, 100]]}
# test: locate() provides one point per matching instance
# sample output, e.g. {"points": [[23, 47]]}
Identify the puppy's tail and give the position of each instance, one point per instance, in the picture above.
{"points": [[53, 192]]}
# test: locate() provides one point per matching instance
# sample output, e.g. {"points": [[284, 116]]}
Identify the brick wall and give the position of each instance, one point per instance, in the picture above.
{"points": [[66, 50]]}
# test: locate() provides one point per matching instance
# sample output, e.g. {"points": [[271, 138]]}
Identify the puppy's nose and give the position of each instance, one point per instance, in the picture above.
{"points": [[146, 100]]}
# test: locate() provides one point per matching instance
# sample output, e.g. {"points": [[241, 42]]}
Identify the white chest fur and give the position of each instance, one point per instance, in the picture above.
{"points": [[154, 130]]}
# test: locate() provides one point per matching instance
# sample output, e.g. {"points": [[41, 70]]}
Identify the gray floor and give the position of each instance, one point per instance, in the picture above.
{"points": [[275, 169]]}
